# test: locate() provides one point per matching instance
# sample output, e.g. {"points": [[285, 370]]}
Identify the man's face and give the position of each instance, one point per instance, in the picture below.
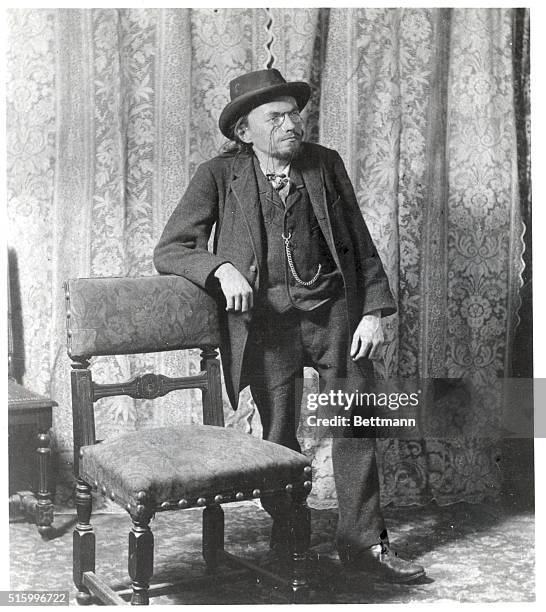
{"points": [[281, 142]]}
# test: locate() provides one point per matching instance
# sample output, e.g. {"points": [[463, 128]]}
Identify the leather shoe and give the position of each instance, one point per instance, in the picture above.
{"points": [[382, 562]]}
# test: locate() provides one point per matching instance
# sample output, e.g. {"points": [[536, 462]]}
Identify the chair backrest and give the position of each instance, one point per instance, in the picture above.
{"points": [[120, 316]]}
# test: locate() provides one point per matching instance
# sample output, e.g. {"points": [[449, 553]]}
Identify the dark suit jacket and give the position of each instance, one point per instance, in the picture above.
{"points": [[224, 191]]}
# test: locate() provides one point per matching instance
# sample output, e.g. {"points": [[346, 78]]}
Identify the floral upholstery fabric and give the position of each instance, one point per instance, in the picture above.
{"points": [[188, 462], [137, 315]]}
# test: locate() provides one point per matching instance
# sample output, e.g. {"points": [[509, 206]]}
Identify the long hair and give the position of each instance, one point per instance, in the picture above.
{"points": [[236, 146]]}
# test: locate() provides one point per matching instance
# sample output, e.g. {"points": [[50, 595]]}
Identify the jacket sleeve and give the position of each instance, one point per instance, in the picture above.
{"points": [[375, 284], [182, 248]]}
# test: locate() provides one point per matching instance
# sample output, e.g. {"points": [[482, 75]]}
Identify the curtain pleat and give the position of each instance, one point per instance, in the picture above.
{"points": [[523, 344], [483, 247], [31, 121], [173, 52]]}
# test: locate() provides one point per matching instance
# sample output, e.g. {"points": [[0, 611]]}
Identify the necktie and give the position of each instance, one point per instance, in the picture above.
{"points": [[278, 181]]}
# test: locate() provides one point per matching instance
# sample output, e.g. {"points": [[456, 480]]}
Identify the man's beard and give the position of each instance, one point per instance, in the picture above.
{"points": [[287, 156]]}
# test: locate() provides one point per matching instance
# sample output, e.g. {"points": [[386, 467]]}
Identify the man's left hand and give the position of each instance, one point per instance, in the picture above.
{"points": [[368, 337]]}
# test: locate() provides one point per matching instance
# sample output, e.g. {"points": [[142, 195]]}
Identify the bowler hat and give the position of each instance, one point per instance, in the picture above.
{"points": [[255, 88]]}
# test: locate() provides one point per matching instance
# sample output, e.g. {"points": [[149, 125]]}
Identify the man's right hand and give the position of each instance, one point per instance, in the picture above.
{"points": [[235, 287]]}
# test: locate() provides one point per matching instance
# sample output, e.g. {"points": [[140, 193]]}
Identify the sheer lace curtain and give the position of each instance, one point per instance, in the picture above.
{"points": [[110, 111]]}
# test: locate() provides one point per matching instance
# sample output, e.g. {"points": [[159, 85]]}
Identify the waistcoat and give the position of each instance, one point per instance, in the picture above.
{"points": [[295, 217]]}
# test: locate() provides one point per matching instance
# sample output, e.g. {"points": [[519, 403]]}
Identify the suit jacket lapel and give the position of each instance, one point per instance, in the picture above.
{"points": [[313, 177], [245, 189]]}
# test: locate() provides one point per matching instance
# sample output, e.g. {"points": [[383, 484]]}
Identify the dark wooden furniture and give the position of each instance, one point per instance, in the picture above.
{"points": [[28, 410], [161, 470]]}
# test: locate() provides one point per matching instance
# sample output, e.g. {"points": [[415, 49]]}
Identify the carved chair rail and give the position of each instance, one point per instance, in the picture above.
{"points": [[149, 386]]}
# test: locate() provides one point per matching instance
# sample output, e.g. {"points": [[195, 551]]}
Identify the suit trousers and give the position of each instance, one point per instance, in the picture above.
{"points": [[279, 346]]}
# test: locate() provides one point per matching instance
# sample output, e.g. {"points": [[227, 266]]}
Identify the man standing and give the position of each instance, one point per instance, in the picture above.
{"points": [[302, 284]]}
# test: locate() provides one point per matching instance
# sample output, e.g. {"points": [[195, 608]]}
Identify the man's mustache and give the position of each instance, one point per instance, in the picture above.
{"points": [[291, 133]]}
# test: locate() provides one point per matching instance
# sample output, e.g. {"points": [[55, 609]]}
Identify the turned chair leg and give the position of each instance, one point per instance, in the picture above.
{"points": [[213, 411], [299, 528], [83, 542], [213, 535], [44, 507], [141, 558]]}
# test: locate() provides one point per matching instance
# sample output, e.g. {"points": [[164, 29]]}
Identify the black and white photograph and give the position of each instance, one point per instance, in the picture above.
{"points": [[270, 305]]}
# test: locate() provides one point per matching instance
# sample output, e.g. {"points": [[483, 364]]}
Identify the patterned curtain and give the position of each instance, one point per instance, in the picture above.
{"points": [[110, 111]]}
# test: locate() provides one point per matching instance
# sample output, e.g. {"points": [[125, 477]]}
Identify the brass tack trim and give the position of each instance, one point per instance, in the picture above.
{"points": [[201, 501], [239, 496], [183, 503], [308, 485], [256, 493], [141, 495], [103, 490], [218, 499], [165, 505], [289, 488], [307, 469], [112, 496]]}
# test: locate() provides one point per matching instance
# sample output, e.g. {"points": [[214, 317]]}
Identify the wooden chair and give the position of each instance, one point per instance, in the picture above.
{"points": [[166, 469]]}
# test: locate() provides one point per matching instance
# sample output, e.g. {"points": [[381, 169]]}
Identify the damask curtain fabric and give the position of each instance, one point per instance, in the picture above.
{"points": [[111, 110]]}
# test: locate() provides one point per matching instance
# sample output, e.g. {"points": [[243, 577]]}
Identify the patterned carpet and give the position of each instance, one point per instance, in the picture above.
{"points": [[473, 553]]}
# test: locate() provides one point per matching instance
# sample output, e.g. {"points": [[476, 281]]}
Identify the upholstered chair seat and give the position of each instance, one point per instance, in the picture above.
{"points": [[190, 465]]}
